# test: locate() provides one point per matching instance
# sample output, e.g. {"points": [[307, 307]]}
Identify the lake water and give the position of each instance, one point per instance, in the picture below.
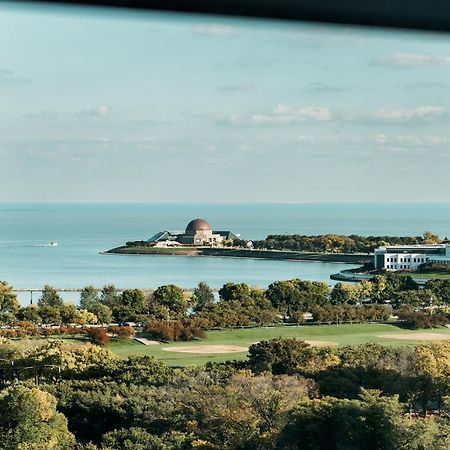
{"points": [[83, 230]]}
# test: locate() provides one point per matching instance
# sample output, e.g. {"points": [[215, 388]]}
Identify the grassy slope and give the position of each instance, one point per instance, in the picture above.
{"points": [[440, 275], [344, 335]]}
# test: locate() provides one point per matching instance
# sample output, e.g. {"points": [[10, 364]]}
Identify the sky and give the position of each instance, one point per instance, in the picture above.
{"points": [[114, 106]]}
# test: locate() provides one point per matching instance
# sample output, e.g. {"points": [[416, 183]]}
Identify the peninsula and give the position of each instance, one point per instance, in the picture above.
{"points": [[199, 239]]}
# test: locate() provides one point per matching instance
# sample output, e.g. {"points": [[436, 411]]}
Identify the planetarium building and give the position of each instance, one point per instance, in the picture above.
{"points": [[198, 232]]}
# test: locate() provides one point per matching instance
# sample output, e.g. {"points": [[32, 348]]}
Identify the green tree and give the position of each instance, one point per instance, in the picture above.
{"points": [[173, 298], [441, 289], [131, 304], [294, 295], [109, 295], [50, 315], [372, 422], [29, 421], [103, 313], [29, 313], [279, 356], [89, 298], [69, 314], [50, 297], [202, 296], [9, 306], [344, 293]]}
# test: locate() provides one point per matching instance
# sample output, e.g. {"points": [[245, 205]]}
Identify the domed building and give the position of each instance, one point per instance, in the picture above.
{"points": [[197, 225], [198, 233]]}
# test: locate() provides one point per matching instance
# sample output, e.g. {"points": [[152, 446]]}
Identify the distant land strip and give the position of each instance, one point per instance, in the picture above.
{"points": [[344, 258]]}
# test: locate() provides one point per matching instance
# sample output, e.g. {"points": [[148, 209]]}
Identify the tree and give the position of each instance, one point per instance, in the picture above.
{"points": [[9, 306], [172, 297], [73, 360], [441, 289], [29, 421], [89, 298], [103, 313], [137, 438], [130, 305], [69, 314], [297, 295], [202, 297], [279, 356], [86, 317], [108, 295], [284, 296], [431, 238], [29, 313], [235, 291], [344, 293], [297, 317], [371, 422], [50, 315], [50, 297]]}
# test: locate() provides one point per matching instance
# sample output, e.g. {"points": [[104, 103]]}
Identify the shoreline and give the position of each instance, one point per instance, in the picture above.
{"points": [[340, 258]]}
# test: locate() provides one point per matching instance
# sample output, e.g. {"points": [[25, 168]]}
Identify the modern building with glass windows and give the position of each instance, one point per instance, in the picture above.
{"points": [[404, 257]]}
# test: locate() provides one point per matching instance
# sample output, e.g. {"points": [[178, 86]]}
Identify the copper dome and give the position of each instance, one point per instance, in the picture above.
{"points": [[197, 225]]}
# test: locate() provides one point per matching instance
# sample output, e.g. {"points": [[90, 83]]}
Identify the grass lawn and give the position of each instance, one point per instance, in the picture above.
{"points": [[439, 275], [342, 335]]}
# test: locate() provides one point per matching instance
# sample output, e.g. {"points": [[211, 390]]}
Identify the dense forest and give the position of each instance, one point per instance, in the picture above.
{"points": [[335, 243], [288, 395]]}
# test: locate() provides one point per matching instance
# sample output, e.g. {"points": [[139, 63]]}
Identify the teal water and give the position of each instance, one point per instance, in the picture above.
{"points": [[83, 230]]}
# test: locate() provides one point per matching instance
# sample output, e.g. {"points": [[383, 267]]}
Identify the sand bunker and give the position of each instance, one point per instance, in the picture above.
{"points": [[416, 336], [146, 341], [204, 349]]}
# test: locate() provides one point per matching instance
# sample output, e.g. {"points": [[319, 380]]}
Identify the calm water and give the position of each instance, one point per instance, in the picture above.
{"points": [[82, 231]]}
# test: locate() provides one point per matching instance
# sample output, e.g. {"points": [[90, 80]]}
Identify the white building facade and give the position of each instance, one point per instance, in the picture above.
{"points": [[410, 257]]}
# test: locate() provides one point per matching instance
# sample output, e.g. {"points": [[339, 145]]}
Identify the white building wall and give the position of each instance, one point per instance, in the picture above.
{"points": [[404, 261]]}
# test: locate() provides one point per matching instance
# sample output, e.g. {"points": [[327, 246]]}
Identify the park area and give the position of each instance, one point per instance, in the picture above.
{"points": [[223, 345]]}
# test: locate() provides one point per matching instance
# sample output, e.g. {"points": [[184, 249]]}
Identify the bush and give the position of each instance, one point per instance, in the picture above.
{"points": [[98, 336], [419, 319], [174, 330], [121, 332]]}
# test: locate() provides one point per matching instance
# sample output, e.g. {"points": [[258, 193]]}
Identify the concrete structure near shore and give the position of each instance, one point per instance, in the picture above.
{"points": [[410, 257], [198, 233]]}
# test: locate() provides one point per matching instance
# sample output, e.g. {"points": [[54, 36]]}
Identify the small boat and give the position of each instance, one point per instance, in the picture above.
{"points": [[53, 244]]}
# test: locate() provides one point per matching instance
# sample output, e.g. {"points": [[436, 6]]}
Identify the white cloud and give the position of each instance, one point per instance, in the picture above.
{"points": [[282, 115], [237, 87], [412, 60], [319, 86], [215, 29], [287, 115], [99, 111], [411, 140], [381, 139], [424, 113]]}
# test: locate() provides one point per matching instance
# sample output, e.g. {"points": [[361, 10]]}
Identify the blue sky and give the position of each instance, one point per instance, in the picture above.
{"points": [[119, 107]]}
